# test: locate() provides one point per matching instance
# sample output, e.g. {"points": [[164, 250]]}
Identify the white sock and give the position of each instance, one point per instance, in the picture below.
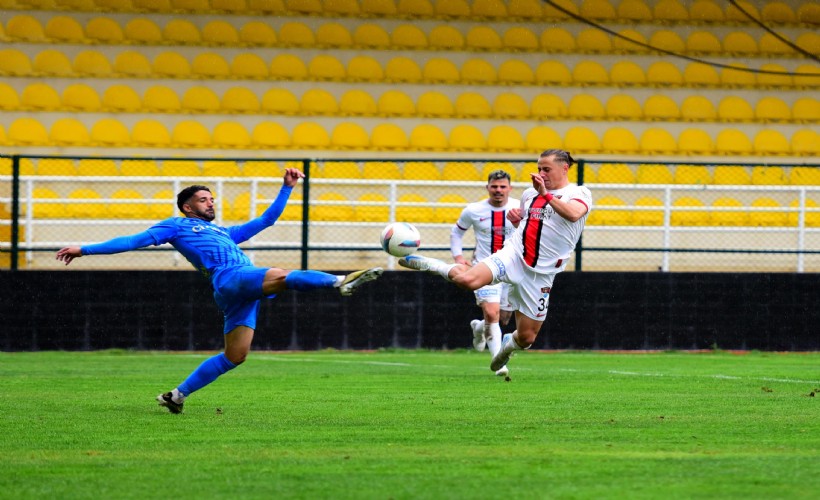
{"points": [[444, 270], [339, 281], [492, 331], [513, 346], [177, 396]]}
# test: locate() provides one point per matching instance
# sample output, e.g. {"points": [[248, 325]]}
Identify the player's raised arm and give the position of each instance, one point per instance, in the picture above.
{"points": [[292, 176], [68, 254]]}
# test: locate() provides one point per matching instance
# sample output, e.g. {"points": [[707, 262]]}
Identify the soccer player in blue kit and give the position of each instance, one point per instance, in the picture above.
{"points": [[238, 285]]}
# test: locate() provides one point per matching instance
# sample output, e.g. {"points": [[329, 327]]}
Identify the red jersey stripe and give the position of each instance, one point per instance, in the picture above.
{"points": [[497, 228], [532, 231]]}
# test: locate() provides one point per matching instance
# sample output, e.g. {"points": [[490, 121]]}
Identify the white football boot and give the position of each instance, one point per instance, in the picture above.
{"points": [[479, 340]]}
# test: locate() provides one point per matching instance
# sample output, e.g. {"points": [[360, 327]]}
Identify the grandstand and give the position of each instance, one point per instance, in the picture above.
{"points": [[406, 94]]}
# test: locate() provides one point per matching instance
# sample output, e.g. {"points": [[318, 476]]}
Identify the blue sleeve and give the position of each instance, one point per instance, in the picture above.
{"points": [[251, 228], [157, 234]]}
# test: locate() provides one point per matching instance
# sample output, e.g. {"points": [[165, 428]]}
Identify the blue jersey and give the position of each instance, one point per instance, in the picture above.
{"points": [[209, 247]]}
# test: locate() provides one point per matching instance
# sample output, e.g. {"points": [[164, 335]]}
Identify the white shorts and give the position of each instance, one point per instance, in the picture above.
{"points": [[530, 291], [497, 293]]}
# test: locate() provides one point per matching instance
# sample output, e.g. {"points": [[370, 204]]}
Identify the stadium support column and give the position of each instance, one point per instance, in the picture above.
{"points": [[305, 212], [15, 210], [579, 247]]}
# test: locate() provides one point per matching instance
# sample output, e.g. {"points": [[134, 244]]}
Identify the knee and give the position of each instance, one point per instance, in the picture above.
{"points": [[526, 337], [237, 358]]}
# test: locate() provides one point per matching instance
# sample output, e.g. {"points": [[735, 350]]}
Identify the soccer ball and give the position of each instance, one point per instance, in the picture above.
{"points": [[400, 239]]}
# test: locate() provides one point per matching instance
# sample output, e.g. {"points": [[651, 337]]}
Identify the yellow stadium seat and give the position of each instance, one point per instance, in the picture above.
{"points": [[25, 28], [270, 135], [396, 103], [128, 204], [701, 75], [161, 98], [772, 46], [210, 65], [241, 207], [619, 140], [515, 72], [766, 216], [9, 100], [805, 176], [65, 29], [585, 107], [810, 218], [428, 137], [692, 175], [333, 35], [580, 139], [506, 139], [142, 30], [257, 33], [806, 110], [590, 176], [181, 168], [280, 101], [472, 105], [27, 131], [695, 141], [262, 169], [775, 80], [769, 176], [231, 134], [331, 206], [420, 171], [408, 36], [121, 98], [478, 71], [644, 217], [630, 41], [729, 212], [105, 30], [318, 102], [389, 137], [40, 96], [435, 104], [706, 10], [218, 32], [151, 133], [93, 167], [664, 74], [627, 73], [133, 64], [48, 62], [56, 167], [79, 208], [346, 7], [519, 38], [557, 39], [248, 65], [446, 37], [190, 133], [735, 109], [240, 100], [489, 9], [623, 107], [682, 217], [376, 210], [357, 102], [493, 166], [526, 9], [731, 175], [703, 42], [634, 10], [14, 62], [171, 64], [379, 7], [233, 6], [160, 5], [597, 9], [163, 204], [414, 208], [590, 73], [615, 173], [483, 38], [181, 31], [737, 76], [541, 138], [341, 170], [69, 132], [81, 97], [655, 140], [440, 70], [548, 106], [364, 68], [661, 107], [402, 70], [731, 141], [348, 135], [553, 13], [326, 67], [415, 8], [372, 36], [139, 168], [452, 8], [697, 108], [465, 137], [670, 11], [110, 132], [740, 43], [667, 40], [381, 170], [653, 174], [771, 142], [200, 99], [459, 171], [43, 207], [511, 105], [604, 216], [91, 63], [310, 135], [449, 214], [593, 41]]}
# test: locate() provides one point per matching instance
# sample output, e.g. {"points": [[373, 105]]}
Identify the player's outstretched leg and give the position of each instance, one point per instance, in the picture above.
{"points": [[356, 279], [479, 340], [421, 263]]}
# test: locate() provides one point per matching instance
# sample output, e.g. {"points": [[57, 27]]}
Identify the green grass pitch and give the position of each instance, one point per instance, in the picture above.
{"points": [[413, 425]]}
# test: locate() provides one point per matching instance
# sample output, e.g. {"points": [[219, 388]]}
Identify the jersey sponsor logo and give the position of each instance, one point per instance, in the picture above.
{"points": [[502, 269], [532, 230], [540, 315], [546, 290], [482, 219]]}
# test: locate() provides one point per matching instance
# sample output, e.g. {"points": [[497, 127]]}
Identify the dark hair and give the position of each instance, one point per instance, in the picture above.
{"points": [[498, 175], [560, 156], [187, 193]]}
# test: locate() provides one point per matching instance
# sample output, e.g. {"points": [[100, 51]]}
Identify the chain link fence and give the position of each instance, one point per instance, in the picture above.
{"points": [[681, 216]]}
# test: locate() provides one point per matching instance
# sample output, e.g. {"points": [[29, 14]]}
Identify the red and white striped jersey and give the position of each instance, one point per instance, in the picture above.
{"points": [[544, 239], [492, 229]]}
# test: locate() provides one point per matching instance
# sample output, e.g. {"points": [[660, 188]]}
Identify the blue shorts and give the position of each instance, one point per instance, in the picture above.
{"points": [[237, 292]]}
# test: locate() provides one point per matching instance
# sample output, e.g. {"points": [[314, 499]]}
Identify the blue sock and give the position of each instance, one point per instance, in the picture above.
{"points": [[309, 280], [206, 373]]}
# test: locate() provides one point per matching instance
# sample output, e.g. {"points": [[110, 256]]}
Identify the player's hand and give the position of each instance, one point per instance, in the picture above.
{"points": [[514, 216], [292, 176], [459, 259], [68, 254], [538, 184]]}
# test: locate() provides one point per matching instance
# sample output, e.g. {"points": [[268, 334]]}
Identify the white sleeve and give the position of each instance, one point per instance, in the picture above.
{"points": [[457, 233]]}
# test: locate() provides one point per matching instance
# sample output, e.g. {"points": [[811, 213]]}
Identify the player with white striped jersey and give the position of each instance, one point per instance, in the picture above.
{"points": [[550, 222], [488, 219]]}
